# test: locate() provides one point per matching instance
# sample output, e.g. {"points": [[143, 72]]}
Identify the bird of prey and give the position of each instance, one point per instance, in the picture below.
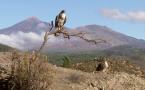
{"points": [[60, 20]]}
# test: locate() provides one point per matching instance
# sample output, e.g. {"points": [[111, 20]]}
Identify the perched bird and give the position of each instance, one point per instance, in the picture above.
{"points": [[60, 20], [105, 66], [102, 66]]}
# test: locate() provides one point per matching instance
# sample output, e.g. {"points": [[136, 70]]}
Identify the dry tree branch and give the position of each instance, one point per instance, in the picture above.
{"points": [[81, 35], [46, 36], [66, 33]]}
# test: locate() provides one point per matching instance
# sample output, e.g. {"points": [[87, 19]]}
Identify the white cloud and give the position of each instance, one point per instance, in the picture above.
{"points": [[135, 16], [23, 40]]}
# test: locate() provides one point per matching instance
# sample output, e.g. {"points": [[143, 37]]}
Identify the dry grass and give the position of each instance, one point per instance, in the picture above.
{"points": [[115, 65], [29, 73], [76, 78], [43, 77]]}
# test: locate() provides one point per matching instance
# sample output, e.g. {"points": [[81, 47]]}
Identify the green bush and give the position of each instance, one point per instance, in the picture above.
{"points": [[66, 62]]}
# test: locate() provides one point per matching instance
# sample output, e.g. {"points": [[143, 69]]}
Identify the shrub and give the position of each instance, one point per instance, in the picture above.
{"points": [[29, 73], [66, 62]]}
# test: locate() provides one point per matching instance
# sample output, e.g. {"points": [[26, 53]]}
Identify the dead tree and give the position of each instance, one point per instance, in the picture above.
{"points": [[80, 35], [66, 33]]}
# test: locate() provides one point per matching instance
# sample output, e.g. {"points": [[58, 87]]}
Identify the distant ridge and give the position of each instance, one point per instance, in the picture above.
{"points": [[113, 38], [31, 24], [5, 48]]}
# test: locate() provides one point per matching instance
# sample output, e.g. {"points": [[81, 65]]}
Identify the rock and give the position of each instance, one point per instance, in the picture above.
{"points": [[92, 84]]}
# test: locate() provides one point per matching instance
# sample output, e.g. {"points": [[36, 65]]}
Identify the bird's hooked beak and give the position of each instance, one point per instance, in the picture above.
{"points": [[63, 11]]}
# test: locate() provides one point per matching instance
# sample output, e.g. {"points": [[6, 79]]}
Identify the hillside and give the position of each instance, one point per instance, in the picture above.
{"points": [[132, 54], [136, 55], [77, 80], [5, 48], [67, 79]]}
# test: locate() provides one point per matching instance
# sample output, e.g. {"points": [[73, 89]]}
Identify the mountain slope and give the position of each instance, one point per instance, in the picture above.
{"points": [[97, 32], [5, 48], [36, 29], [31, 24], [112, 37]]}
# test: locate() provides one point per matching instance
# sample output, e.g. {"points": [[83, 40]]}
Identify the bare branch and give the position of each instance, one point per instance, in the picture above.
{"points": [[81, 35]]}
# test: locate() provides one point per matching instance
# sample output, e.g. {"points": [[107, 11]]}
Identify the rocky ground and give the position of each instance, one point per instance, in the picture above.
{"points": [[114, 66], [68, 79], [5, 64]]}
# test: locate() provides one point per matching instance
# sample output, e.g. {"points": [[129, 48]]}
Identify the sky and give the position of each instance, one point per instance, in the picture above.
{"points": [[124, 16]]}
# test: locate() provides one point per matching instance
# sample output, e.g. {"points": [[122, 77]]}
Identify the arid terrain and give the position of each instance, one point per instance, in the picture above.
{"points": [[71, 79]]}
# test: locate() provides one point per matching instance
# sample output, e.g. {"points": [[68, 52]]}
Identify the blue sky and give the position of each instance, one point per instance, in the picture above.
{"points": [[125, 16]]}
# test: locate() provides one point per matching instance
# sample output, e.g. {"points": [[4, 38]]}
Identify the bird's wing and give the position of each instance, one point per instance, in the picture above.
{"points": [[56, 21], [56, 18]]}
